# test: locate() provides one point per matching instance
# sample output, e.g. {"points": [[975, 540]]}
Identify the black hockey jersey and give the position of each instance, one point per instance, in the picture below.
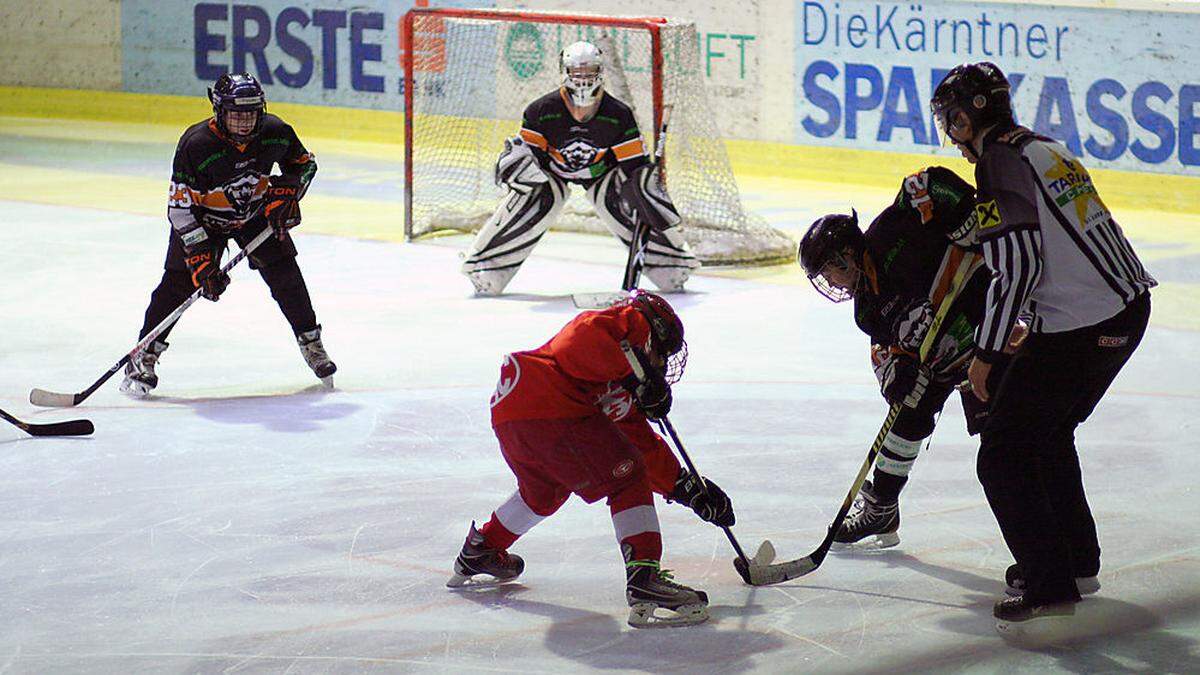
{"points": [[905, 248], [217, 186], [581, 152]]}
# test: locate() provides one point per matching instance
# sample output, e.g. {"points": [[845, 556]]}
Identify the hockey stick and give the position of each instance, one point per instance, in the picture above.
{"points": [[665, 425], [763, 573], [41, 397], [639, 239], [68, 428]]}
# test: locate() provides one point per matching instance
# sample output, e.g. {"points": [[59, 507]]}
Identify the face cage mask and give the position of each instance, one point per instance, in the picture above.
{"points": [[675, 365], [254, 128], [827, 288], [583, 85]]}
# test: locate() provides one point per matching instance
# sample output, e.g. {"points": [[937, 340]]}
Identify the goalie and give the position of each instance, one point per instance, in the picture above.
{"points": [[578, 134]]}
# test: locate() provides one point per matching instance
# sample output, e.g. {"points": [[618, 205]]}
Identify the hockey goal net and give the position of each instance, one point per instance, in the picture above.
{"points": [[469, 74]]}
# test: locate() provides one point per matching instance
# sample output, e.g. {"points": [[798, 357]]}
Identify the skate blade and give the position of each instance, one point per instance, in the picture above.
{"points": [[875, 542], [464, 582], [1049, 627], [134, 389], [327, 382], [644, 615]]}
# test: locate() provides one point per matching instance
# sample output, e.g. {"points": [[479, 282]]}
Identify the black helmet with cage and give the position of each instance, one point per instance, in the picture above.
{"points": [[831, 254], [238, 93]]}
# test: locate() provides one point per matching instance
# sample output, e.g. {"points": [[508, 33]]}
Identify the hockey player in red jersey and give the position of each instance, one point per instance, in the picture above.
{"points": [[571, 417]]}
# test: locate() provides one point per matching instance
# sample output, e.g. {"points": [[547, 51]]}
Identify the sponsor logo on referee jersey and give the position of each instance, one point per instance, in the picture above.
{"points": [[1070, 184], [988, 214]]}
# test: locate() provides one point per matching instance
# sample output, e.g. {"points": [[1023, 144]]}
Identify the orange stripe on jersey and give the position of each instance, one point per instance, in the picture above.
{"points": [[533, 138], [629, 149]]}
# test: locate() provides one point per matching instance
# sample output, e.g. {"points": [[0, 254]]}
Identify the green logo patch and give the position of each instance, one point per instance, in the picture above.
{"points": [[988, 214]]}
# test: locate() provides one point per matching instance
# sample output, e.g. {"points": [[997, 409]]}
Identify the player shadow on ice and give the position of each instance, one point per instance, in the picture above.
{"points": [[289, 413], [603, 641], [1105, 635]]}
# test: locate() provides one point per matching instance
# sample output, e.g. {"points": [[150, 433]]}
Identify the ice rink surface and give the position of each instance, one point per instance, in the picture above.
{"points": [[242, 520]]}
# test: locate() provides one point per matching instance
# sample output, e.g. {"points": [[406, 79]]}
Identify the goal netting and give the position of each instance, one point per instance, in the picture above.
{"points": [[469, 74]]}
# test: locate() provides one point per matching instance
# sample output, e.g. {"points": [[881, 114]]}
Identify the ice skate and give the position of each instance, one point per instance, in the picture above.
{"points": [[871, 526], [1017, 617], [140, 377], [476, 558], [649, 588], [1016, 583], [316, 357]]}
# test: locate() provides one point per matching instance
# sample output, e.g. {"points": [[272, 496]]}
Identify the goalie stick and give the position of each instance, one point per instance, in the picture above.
{"points": [[51, 399], [68, 428], [639, 240], [760, 571]]}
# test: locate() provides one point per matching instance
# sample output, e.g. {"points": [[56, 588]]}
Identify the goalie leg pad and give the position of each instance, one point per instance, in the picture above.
{"points": [[508, 237], [668, 261]]}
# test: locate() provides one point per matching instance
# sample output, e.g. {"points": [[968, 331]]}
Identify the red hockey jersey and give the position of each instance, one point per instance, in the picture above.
{"points": [[577, 374]]}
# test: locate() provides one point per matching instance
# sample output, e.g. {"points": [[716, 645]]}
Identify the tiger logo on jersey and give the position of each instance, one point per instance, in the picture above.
{"points": [[245, 192], [578, 154], [510, 374]]}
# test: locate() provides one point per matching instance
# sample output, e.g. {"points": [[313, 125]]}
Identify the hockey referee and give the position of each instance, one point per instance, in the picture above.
{"points": [[1055, 252]]}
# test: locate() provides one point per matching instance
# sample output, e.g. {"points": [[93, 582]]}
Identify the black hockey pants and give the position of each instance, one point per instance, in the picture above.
{"points": [[1028, 463], [276, 264]]}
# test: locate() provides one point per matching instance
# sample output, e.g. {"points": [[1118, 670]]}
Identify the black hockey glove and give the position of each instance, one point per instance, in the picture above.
{"points": [[652, 395], [709, 502], [902, 380], [205, 267], [282, 209]]}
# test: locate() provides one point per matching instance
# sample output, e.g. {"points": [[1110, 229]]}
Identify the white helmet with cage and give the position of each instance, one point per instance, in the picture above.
{"points": [[582, 73]]}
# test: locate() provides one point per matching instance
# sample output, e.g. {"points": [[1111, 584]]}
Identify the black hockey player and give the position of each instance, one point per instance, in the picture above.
{"points": [[894, 272], [1053, 249], [578, 134], [222, 188]]}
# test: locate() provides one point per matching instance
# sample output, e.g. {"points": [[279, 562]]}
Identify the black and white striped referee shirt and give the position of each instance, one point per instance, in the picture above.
{"points": [[1052, 245]]}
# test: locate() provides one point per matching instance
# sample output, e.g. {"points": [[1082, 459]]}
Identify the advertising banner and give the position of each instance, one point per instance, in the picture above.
{"points": [[1119, 87]]}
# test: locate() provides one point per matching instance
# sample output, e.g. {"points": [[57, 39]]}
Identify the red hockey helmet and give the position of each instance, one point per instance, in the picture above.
{"points": [[666, 331]]}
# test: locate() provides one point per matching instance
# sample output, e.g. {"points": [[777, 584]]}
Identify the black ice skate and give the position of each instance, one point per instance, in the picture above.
{"points": [[140, 377], [648, 587], [872, 525], [1016, 583], [1018, 617], [315, 355], [477, 558]]}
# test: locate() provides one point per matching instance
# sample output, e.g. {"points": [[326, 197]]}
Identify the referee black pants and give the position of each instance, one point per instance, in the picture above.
{"points": [[1027, 461]]}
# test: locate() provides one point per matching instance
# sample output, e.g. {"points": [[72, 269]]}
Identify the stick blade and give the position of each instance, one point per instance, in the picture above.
{"points": [[68, 428], [597, 300], [781, 572], [50, 399]]}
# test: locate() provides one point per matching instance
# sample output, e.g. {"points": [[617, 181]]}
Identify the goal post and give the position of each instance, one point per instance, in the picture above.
{"points": [[470, 73]]}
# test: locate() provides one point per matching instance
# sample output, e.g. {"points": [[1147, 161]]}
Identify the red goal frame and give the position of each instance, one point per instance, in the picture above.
{"points": [[652, 25]]}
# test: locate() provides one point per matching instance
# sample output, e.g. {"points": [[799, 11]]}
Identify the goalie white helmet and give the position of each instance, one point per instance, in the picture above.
{"points": [[582, 73]]}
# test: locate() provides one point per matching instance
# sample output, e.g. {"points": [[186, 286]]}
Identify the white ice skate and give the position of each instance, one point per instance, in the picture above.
{"points": [[140, 377]]}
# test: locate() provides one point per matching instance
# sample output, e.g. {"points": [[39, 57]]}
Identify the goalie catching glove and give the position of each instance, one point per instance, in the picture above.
{"points": [[205, 267], [282, 209], [708, 500], [518, 169], [902, 380]]}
